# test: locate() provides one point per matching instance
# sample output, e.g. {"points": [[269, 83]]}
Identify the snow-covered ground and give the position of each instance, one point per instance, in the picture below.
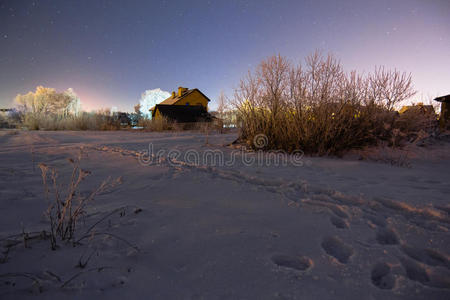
{"points": [[314, 228]]}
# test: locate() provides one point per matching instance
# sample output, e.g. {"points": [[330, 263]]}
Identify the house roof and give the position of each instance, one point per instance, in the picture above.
{"points": [[171, 100], [419, 107], [182, 113], [445, 98]]}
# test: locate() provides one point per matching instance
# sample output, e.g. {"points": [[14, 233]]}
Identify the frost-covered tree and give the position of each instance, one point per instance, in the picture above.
{"points": [[150, 98], [46, 101], [222, 105], [74, 106]]}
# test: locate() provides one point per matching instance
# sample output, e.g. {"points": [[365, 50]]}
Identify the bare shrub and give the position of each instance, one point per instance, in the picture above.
{"points": [[3, 122], [68, 204], [317, 107], [418, 122], [100, 120], [222, 105], [159, 124], [388, 88], [163, 124], [386, 154]]}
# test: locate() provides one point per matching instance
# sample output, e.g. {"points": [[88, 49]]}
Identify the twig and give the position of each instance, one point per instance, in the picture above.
{"points": [[38, 233], [30, 276], [105, 217], [53, 275], [111, 235], [99, 269], [83, 265]]}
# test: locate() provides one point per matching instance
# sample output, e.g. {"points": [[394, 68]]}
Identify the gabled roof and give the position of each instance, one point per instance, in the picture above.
{"points": [[182, 113], [171, 100], [443, 98], [417, 108]]}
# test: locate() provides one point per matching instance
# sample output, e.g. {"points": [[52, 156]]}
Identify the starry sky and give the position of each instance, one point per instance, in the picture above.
{"points": [[110, 52]]}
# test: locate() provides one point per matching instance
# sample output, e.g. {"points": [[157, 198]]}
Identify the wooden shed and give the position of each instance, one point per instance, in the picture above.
{"points": [[444, 118]]}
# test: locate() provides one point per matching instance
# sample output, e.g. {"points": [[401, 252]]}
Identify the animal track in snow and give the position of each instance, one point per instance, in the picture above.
{"points": [[338, 222], [415, 271], [427, 256], [433, 277], [335, 247], [376, 220], [382, 277], [445, 208], [386, 236]]}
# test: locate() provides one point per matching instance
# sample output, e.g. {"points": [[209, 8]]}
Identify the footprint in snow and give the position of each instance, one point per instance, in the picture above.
{"points": [[387, 236], [338, 222], [382, 277], [299, 263], [336, 248]]}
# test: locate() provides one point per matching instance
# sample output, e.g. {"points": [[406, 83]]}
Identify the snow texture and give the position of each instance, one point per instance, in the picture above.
{"points": [[330, 229]]}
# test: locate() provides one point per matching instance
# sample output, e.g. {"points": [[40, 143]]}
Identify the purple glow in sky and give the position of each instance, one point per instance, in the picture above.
{"points": [[110, 52]]}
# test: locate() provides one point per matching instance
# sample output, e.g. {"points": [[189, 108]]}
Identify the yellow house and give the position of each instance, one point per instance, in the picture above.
{"points": [[418, 108], [185, 97]]}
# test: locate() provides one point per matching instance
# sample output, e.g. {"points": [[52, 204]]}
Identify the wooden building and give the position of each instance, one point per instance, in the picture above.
{"points": [[188, 105], [444, 118]]}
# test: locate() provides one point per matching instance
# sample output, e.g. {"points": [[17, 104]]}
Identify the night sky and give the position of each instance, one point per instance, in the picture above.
{"points": [[110, 52]]}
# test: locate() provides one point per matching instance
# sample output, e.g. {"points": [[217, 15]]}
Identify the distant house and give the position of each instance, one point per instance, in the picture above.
{"points": [[418, 108], [5, 111], [444, 118], [188, 105], [124, 119], [3, 117]]}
